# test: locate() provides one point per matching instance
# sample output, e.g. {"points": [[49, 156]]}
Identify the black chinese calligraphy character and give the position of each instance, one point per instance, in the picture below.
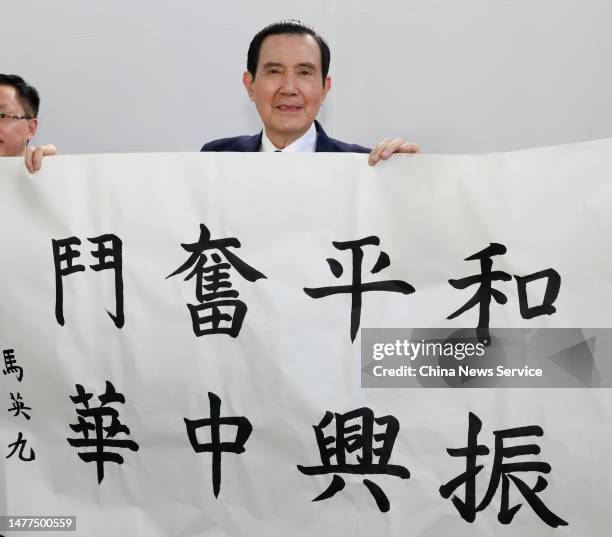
{"points": [[99, 427], [356, 437], [109, 254], [19, 406], [502, 471], [357, 287], [215, 446], [10, 363], [485, 291], [20, 444], [218, 311]]}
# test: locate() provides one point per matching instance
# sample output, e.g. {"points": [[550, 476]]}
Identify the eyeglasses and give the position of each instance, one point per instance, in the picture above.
{"points": [[4, 115]]}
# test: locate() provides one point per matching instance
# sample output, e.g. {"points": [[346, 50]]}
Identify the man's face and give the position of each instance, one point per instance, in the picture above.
{"points": [[288, 88], [14, 133]]}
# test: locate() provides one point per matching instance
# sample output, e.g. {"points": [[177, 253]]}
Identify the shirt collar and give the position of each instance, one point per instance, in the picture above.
{"points": [[304, 144]]}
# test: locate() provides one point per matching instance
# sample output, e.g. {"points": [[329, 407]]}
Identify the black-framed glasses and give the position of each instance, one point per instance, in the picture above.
{"points": [[5, 115]]}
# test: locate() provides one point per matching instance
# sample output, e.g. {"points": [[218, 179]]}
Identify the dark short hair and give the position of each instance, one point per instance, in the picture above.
{"points": [[27, 95], [286, 27]]}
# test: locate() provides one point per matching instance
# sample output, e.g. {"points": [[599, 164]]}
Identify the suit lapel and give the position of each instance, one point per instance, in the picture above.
{"points": [[323, 142], [252, 144]]}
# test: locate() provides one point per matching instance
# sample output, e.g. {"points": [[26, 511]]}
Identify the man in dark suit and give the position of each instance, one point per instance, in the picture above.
{"points": [[287, 79], [252, 144]]}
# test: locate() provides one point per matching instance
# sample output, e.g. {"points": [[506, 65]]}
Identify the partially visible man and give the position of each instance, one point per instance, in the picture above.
{"points": [[287, 79], [19, 104]]}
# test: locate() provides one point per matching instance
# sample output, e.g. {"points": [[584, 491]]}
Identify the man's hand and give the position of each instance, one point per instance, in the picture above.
{"points": [[34, 156], [387, 147]]}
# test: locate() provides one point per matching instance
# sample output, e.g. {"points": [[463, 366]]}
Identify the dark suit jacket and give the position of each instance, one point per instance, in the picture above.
{"points": [[251, 144]]}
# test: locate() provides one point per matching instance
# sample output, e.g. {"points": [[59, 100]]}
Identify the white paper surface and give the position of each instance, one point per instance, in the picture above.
{"points": [[293, 359]]}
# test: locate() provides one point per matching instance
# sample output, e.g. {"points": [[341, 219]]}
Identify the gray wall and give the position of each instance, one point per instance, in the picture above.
{"points": [[456, 76]]}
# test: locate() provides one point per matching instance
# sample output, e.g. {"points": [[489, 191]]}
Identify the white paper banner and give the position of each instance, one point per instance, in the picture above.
{"points": [[292, 359]]}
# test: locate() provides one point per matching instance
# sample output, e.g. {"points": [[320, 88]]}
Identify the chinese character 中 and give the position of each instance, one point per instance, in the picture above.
{"points": [[216, 447]]}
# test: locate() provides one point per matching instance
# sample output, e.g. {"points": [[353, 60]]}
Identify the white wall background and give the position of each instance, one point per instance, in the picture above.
{"points": [[456, 76]]}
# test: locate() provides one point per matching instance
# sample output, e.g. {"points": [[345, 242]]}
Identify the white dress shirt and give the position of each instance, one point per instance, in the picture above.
{"points": [[304, 144]]}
